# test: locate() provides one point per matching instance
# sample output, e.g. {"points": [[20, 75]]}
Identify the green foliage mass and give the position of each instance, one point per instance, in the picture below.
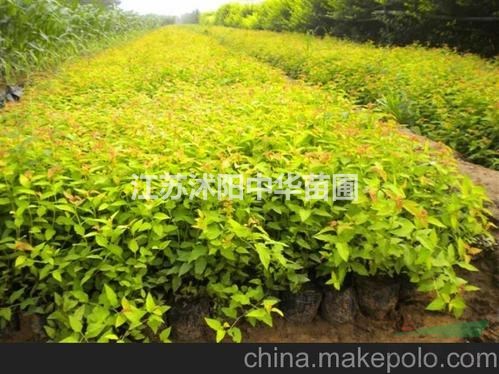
{"points": [[466, 24], [100, 266], [437, 93], [36, 34]]}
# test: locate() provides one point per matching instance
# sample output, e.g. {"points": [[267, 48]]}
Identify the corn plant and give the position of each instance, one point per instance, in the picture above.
{"points": [[36, 34]]}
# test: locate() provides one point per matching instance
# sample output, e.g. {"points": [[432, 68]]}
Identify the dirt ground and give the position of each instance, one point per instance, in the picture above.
{"points": [[487, 178], [404, 324]]}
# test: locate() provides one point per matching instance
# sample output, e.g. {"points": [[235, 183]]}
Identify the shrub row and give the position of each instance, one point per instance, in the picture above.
{"points": [[465, 25], [449, 98], [76, 247]]}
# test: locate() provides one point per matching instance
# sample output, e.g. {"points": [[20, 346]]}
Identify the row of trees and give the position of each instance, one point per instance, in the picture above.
{"points": [[464, 24], [189, 18], [186, 18]]}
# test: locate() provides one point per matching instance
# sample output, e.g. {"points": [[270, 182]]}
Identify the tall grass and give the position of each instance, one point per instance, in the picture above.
{"points": [[35, 34]]}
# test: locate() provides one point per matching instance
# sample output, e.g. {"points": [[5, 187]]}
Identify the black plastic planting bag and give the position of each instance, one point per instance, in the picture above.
{"points": [[14, 93], [10, 93], [3, 93]]}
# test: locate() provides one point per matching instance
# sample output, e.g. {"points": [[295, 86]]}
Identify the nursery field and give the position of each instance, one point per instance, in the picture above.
{"points": [[101, 241], [438, 93]]}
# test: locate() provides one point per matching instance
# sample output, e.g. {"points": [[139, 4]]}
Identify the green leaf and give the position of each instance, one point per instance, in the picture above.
{"points": [[228, 253], [65, 208], [110, 336], [145, 227], [164, 336], [103, 207], [185, 268], [457, 306], [25, 182], [467, 266], [230, 312], [304, 214], [49, 233], [261, 315], [214, 324], [51, 332], [240, 230], [264, 254], [158, 229], [56, 274], [436, 305], [343, 251], [71, 339], [241, 299], [79, 230], [16, 295], [160, 216], [405, 229], [20, 261], [4, 201], [359, 269], [75, 323], [150, 304], [101, 241], [111, 296], [120, 320], [434, 221], [134, 315], [115, 250], [268, 304], [471, 288], [212, 232], [220, 335], [278, 312], [133, 245], [6, 313], [197, 252], [235, 334], [425, 240], [154, 322], [200, 265]]}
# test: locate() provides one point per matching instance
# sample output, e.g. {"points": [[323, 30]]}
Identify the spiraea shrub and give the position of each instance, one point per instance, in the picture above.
{"points": [[437, 93], [99, 265]]}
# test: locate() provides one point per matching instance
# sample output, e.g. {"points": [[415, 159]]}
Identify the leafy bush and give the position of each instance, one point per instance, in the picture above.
{"points": [[36, 34], [449, 98], [77, 248]]}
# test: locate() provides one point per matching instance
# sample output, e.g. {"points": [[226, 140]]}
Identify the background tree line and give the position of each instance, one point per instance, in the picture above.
{"points": [[467, 25]]}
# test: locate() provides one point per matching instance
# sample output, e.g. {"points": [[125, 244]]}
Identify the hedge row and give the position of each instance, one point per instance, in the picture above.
{"points": [[447, 97], [466, 25]]}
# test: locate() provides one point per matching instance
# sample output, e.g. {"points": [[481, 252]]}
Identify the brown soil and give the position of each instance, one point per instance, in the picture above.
{"points": [[409, 315], [487, 178]]}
